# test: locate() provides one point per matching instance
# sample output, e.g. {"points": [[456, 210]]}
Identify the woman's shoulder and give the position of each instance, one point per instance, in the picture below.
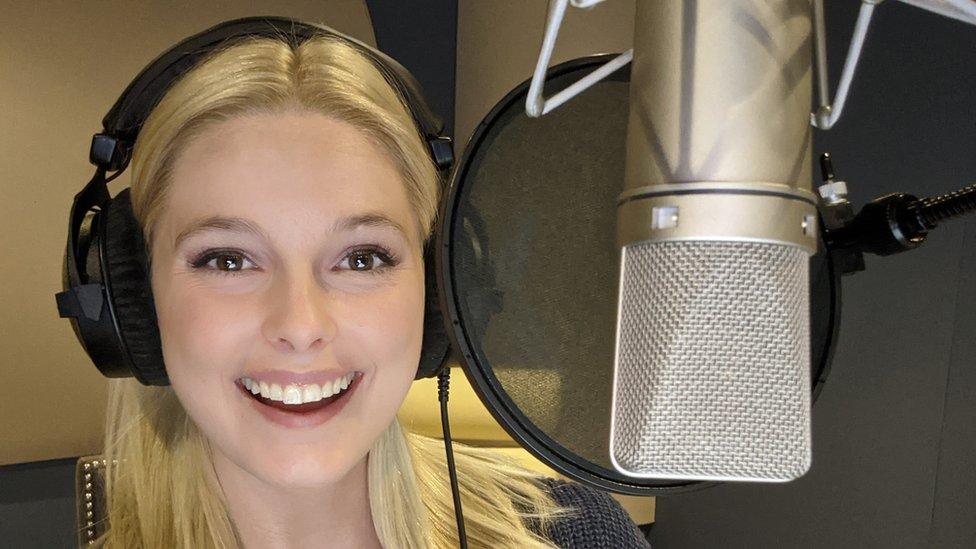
{"points": [[598, 520]]}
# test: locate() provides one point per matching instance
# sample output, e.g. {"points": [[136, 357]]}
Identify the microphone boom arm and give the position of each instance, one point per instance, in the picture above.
{"points": [[888, 224]]}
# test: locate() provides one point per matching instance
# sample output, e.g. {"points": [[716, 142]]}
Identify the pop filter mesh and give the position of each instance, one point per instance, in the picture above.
{"points": [[540, 313]]}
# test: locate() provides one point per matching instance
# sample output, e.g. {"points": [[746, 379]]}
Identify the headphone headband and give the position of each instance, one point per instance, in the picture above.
{"points": [[111, 149]]}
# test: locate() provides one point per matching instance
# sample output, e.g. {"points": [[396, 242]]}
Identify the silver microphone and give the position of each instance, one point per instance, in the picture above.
{"points": [[716, 225]]}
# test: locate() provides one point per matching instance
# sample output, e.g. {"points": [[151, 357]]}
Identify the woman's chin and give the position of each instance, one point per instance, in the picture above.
{"points": [[312, 473]]}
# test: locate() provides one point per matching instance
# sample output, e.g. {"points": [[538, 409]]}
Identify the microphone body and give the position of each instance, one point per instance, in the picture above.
{"points": [[716, 225]]}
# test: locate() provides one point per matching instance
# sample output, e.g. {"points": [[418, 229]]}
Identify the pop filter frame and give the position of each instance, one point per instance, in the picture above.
{"points": [[825, 303]]}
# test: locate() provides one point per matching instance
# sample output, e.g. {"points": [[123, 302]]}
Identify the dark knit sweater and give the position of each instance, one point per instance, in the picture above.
{"points": [[600, 522]]}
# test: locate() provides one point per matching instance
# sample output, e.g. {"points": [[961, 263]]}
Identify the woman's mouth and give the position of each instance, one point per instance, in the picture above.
{"points": [[300, 406]]}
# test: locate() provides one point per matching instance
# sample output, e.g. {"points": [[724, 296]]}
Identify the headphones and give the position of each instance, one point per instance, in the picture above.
{"points": [[107, 294]]}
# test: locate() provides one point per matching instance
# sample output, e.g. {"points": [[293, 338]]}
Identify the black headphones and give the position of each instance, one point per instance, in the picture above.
{"points": [[107, 294]]}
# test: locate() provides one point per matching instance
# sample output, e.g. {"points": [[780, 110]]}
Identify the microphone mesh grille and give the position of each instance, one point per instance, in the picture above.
{"points": [[712, 369]]}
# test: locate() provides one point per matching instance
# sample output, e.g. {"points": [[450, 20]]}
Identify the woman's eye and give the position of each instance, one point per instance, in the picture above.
{"points": [[222, 262], [229, 262], [365, 260]]}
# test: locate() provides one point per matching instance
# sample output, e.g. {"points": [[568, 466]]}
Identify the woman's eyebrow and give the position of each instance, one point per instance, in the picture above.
{"points": [[242, 225], [369, 219]]}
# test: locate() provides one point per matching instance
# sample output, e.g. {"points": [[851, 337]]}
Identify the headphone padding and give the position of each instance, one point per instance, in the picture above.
{"points": [[130, 293]]}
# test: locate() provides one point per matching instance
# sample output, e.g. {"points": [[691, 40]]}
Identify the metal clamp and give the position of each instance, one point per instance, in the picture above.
{"points": [[828, 114], [535, 104]]}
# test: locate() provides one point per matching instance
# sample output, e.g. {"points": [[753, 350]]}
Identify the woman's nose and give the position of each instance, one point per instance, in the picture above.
{"points": [[299, 318]]}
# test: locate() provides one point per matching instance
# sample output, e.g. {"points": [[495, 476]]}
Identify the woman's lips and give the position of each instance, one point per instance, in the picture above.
{"points": [[309, 414]]}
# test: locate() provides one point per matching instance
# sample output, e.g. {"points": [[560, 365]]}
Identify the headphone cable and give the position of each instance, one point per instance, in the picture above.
{"points": [[443, 382]]}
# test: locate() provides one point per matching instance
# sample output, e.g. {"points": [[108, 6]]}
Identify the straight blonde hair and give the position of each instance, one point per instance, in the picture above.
{"points": [[161, 486]]}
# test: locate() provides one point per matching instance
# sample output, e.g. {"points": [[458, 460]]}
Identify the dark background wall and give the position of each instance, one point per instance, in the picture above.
{"points": [[422, 36], [37, 504], [894, 430]]}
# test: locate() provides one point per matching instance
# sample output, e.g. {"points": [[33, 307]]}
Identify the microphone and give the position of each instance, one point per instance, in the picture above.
{"points": [[716, 225]]}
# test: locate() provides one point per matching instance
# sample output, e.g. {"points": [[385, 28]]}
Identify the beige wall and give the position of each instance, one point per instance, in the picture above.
{"points": [[62, 65], [499, 42]]}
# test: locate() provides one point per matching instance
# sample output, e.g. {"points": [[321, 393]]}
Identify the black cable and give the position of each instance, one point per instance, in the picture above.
{"points": [[113, 176], [443, 382]]}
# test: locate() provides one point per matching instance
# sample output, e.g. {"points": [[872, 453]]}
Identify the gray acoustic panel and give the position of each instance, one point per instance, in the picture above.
{"points": [[955, 483]]}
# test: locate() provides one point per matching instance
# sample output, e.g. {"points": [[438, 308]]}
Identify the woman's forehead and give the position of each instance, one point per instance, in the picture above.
{"points": [[284, 151], [302, 167]]}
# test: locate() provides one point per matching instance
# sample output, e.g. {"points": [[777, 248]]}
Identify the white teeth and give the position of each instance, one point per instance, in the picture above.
{"points": [[327, 389], [312, 393], [295, 394]]}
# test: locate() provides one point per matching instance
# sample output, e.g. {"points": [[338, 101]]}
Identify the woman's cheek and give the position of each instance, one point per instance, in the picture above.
{"points": [[385, 330], [199, 329]]}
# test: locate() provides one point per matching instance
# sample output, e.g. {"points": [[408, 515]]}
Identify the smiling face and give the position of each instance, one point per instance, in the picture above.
{"points": [[313, 271]]}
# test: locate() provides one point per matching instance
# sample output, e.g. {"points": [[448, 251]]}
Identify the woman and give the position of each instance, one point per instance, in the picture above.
{"points": [[286, 197]]}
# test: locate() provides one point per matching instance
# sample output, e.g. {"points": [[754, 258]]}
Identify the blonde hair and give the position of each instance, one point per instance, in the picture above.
{"points": [[160, 483]]}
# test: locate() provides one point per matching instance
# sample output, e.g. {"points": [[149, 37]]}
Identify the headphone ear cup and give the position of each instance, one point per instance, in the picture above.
{"points": [[129, 292], [436, 345]]}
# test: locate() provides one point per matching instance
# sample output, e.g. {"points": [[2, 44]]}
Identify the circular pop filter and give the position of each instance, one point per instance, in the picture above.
{"points": [[529, 272]]}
